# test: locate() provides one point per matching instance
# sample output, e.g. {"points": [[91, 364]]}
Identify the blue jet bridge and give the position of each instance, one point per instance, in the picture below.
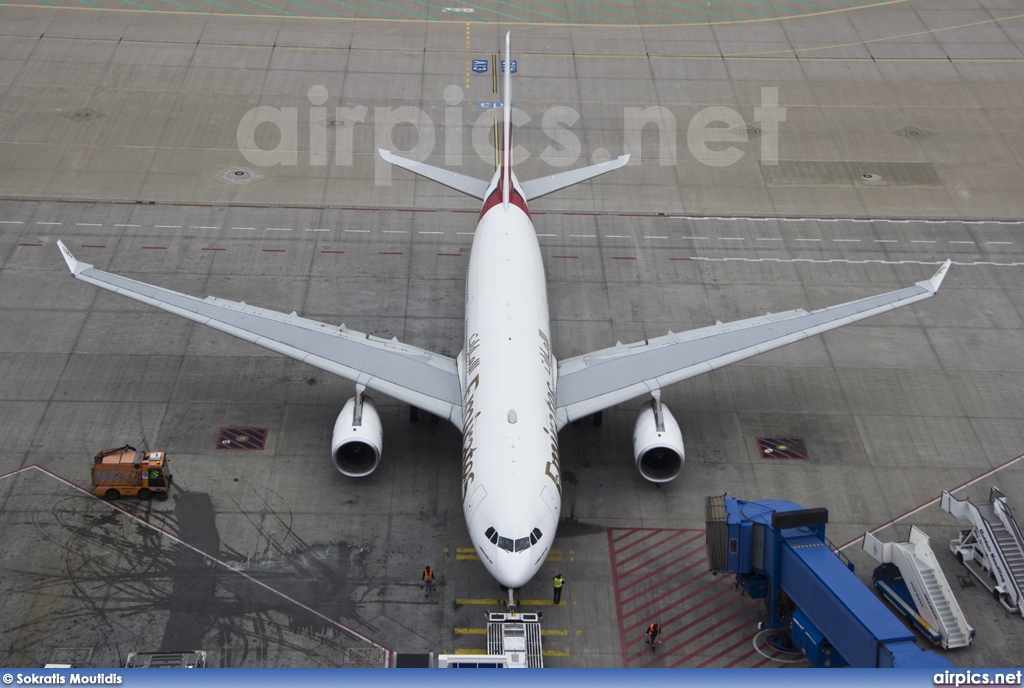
{"points": [[779, 552]]}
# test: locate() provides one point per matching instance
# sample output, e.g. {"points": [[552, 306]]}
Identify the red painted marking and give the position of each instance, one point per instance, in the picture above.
{"points": [[416, 210], [582, 214], [650, 532], [155, 248], [361, 209], [681, 600], [741, 658], [936, 500], [569, 257], [389, 253], [620, 562], [702, 560], [471, 212], [329, 251], [273, 250], [456, 255], [93, 246], [628, 532], [623, 257], [732, 631], [680, 259], [709, 660], [658, 570], [29, 244], [633, 570], [213, 249], [618, 601]]}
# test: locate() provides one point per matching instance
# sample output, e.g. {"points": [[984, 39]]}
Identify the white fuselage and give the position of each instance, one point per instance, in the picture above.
{"points": [[510, 476]]}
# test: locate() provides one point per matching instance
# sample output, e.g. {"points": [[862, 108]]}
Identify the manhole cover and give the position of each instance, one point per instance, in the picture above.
{"points": [[242, 438], [238, 175], [75, 656], [965, 581], [782, 448], [364, 657], [748, 131], [871, 177], [81, 114], [914, 133]]}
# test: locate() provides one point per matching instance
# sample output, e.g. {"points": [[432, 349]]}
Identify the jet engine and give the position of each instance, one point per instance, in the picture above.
{"points": [[358, 438], [657, 443]]}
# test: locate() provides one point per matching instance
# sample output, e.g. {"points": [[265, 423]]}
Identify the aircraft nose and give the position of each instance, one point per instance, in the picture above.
{"points": [[514, 571]]}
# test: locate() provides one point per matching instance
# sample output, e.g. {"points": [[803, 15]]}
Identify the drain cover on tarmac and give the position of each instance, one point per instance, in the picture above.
{"points": [[242, 438], [782, 448]]}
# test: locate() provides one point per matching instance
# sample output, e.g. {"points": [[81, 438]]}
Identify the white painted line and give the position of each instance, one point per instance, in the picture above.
{"points": [[11, 222], [400, 231], [808, 239], [248, 228], [961, 242], [999, 243], [316, 229], [921, 241], [730, 238], [768, 239], [48, 223], [127, 225], [848, 241], [199, 227], [655, 237], [357, 231], [887, 241], [96, 224], [582, 236], [225, 564], [279, 229], [547, 235], [472, 233], [179, 227], [935, 500], [431, 232], [617, 236]]}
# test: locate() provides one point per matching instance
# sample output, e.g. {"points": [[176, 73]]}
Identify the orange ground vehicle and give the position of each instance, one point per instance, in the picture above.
{"points": [[127, 472]]}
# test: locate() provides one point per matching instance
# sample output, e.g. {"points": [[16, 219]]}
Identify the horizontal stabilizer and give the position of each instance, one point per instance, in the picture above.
{"points": [[477, 188], [535, 188]]}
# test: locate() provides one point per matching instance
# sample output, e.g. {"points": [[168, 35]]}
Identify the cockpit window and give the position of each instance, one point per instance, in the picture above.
{"points": [[522, 543], [535, 536], [505, 543]]}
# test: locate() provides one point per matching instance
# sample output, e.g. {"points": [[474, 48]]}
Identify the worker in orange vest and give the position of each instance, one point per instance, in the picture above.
{"points": [[428, 580], [653, 631]]}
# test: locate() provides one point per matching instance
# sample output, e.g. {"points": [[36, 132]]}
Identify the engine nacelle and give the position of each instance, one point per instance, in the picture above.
{"points": [[358, 438], [657, 443]]}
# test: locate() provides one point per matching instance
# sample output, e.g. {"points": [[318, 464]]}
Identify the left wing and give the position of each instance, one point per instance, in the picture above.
{"points": [[595, 381], [416, 376]]}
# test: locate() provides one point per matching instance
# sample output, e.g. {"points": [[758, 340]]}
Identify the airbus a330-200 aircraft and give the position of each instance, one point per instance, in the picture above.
{"points": [[506, 392]]}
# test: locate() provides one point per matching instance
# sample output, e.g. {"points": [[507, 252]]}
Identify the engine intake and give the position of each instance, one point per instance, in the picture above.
{"points": [[657, 443], [358, 438]]}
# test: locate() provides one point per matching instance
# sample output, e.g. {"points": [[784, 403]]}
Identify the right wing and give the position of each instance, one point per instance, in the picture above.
{"points": [[416, 376], [596, 381]]}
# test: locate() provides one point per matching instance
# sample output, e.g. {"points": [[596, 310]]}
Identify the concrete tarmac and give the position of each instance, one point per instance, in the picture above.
{"points": [[120, 134]]}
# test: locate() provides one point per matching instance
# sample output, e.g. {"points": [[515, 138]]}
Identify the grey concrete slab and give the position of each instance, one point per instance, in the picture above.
{"points": [[892, 411]]}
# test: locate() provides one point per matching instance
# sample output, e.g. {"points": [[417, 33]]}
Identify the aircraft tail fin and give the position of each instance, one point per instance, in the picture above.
{"points": [[477, 188], [506, 125]]}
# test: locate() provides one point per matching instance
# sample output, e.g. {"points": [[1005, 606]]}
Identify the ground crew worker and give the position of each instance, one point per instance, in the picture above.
{"points": [[428, 580], [558, 582], [652, 635]]}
